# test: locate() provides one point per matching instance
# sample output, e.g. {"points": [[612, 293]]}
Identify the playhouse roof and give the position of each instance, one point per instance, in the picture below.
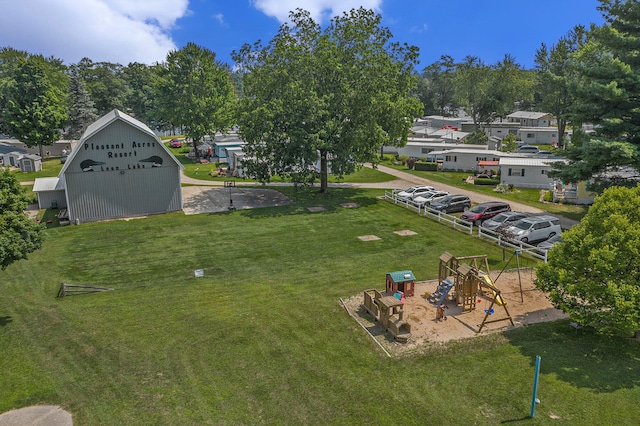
{"points": [[402, 276]]}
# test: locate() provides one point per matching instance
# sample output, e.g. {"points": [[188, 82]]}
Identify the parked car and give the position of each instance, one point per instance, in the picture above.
{"points": [[428, 197], [452, 203], [408, 193], [535, 228], [175, 143], [528, 149], [481, 212], [503, 219], [547, 244]]}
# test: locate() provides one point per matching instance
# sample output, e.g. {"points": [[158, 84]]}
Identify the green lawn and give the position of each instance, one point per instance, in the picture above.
{"points": [[208, 171], [262, 339]]}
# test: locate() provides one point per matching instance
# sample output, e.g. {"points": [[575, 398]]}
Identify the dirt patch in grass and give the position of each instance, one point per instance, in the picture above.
{"points": [[527, 307]]}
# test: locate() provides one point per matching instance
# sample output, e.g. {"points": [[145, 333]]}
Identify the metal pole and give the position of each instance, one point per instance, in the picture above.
{"points": [[230, 184], [517, 253], [534, 399]]}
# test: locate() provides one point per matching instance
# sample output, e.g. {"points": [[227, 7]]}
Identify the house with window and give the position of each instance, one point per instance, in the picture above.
{"points": [[531, 119], [10, 154], [439, 121], [466, 159], [422, 148], [527, 172], [538, 135]]}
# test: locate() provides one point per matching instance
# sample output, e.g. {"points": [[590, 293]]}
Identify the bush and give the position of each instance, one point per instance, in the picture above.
{"points": [[426, 167], [548, 196], [403, 158], [486, 181]]}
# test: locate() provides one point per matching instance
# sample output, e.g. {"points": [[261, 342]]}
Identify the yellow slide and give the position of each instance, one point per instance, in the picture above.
{"points": [[499, 300]]}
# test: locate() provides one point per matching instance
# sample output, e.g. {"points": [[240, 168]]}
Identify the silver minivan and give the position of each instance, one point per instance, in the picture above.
{"points": [[535, 228]]}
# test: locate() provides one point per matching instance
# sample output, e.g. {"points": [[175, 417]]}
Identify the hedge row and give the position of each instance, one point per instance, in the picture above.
{"points": [[426, 167]]}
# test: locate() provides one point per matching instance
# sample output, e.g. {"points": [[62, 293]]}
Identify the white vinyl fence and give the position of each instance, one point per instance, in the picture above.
{"points": [[467, 227]]}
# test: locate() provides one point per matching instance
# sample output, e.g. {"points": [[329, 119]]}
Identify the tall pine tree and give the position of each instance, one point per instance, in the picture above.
{"points": [[606, 94], [81, 109]]}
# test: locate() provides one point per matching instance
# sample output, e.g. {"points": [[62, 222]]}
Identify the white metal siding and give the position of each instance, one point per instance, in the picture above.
{"points": [[45, 198], [123, 185]]}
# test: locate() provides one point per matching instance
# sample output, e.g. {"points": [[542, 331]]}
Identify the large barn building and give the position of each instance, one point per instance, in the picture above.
{"points": [[119, 168]]}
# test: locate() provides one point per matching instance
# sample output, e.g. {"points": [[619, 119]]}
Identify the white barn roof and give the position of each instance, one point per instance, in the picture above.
{"points": [[103, 122]]}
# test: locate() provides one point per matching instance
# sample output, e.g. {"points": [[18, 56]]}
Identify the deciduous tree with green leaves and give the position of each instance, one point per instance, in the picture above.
{"points": [[594, 275], [19, 235], [332, 95], [195, 92], [36, 102], [440, 90], [106, 83]]}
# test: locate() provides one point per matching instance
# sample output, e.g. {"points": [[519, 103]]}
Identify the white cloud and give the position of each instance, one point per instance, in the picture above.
{"points": [[320, 10], [220, 18], [120, 31], [423, 29]]}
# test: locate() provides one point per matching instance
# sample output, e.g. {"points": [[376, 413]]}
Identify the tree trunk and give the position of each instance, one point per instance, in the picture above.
{"points": [[324, 186], [40, 149], [562, 125], [195, 149]]}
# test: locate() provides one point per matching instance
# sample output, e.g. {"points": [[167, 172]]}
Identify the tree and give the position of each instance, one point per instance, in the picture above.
{"points": [[606, 88], [36, 103], [555, 76], [473, 89], [441, 78], [334, 95], [9, 60], [594, 275], [19, 235], [81, 109], [141, 80], [195, 92], [106, 83], [510, 85]]}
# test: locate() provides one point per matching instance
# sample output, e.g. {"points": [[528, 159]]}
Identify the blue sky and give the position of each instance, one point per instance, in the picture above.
{"points": [[145, 31]]}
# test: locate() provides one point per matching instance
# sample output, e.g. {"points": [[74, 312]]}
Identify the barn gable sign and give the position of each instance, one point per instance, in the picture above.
{"points": [[119, 156]]}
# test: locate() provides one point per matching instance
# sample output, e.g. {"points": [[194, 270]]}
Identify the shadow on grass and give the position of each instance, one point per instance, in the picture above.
{"points": [[50, 218], [307, 197], [5, 320], [580, 357]]}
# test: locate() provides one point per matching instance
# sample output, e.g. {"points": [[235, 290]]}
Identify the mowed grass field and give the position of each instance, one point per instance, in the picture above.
{"points": [[262, 338]]}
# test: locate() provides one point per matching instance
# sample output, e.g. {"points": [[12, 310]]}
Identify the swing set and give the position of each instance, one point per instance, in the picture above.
{"points": [[470, 275]]}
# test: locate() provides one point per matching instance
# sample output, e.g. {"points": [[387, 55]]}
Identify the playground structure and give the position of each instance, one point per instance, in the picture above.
{"points": [[389, 313], [401, 282], [467, 276]]}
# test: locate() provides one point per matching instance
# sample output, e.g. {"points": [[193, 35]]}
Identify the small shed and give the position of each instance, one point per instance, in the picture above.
{"points": [[30, 163], [401, 281]]}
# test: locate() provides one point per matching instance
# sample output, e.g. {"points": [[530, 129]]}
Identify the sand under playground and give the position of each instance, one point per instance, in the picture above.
{"points": [[421, 314]]}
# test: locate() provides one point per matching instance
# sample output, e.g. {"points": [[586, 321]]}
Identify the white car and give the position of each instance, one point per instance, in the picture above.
{"points": [[426, 198], [535, 228], [409, 193]]}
